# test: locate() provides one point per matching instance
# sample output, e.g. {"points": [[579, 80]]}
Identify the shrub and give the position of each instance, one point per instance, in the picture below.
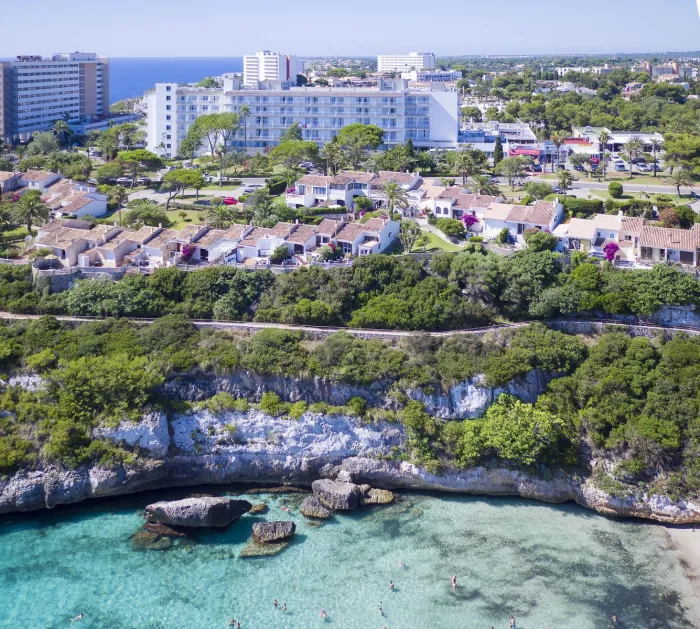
{"points": [[270, 403], [224, 401], [451, 227], [432, 219], [280, 254], [476, 239], [615, 189], [357, 406], [541, 241], [297, 409], [503, 236]]}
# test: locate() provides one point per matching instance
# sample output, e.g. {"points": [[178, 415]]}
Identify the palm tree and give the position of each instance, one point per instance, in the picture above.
{"points": [[395, 196], [632, 148], [219, 217], [244, 112], [464, 163], [119, 196], [603, 140], [290, 175], [30, 208], [681, 177], [557, 138], [656, 146], [482, 184], [61, 130], [565, 178], [604, 161]]}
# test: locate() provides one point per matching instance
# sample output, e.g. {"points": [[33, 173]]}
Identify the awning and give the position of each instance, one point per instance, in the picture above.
{"points": [[527, 152]]}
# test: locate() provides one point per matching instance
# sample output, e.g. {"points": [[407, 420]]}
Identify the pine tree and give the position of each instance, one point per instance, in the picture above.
{"points": [[497, 151]]}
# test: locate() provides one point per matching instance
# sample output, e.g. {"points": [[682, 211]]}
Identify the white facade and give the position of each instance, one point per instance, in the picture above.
{"points": [[36, 91], [432, 76], [429, 118], [268, 66], [406, 63]]}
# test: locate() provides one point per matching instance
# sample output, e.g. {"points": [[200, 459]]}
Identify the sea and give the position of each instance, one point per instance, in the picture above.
{"points": [[130, 77], [549, 566]]}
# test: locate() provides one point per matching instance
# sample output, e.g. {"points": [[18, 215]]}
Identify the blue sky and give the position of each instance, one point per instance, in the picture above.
{"points": [[230, 28]]}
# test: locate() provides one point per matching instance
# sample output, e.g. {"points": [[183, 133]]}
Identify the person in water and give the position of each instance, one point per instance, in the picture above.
{"points": [[284, 607], [511, 624], [323, 613], [454, 583], [77, 618], [232, 622], [275, 603], [401, 564], [391, 585], [614, 618], [381, 611]]}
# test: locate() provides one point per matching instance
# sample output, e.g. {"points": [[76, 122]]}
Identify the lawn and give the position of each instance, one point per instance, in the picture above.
{"points": [[628, 196], [191, 217], [13, 235], [435, 245]]}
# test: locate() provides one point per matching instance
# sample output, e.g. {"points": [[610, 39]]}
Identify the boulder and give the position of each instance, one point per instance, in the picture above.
{"points": [[162, 529], [254, 549], [147, 540], [339, 496], [259, 508], [377, 497], [312, 508], [270, 532], [197, 512]]}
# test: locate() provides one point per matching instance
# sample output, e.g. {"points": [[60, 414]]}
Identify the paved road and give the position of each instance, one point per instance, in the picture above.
{"points": [[162, 197], [362, 332]]}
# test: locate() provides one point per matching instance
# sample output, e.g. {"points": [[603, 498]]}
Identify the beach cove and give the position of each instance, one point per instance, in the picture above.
{"points": [[549, 566]]}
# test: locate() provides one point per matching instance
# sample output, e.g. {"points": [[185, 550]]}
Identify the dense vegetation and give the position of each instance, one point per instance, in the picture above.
{"points": [[633, 402], [455, 290]]}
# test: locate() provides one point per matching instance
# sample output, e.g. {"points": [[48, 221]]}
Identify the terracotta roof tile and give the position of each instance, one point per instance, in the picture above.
{"points": [[663, 238], [328, 227], [36, 175], [349, 232], [541, 213], [301, 234], [314, 180]]}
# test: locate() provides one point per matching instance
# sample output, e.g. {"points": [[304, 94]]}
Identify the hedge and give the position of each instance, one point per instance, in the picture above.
{"points": [[578, 207], [276, 186]]}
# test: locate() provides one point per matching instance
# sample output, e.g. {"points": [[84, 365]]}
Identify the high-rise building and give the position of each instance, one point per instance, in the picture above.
{"points": [[268, 66], [406, 63], [429, 117], [36, 91]]}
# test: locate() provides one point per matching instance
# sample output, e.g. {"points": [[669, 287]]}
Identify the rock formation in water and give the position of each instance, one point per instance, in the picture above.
{"points": [[197, 512], [270, 532]]}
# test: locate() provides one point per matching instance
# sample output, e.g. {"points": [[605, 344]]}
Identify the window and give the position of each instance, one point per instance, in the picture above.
{"points": [[167, 127], [167, 117], [167, 88], [167, 107], [168, 146], [168, 137], [167, 98], [319, 190]]}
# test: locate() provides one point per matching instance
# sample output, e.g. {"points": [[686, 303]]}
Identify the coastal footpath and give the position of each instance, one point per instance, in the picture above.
{"points": [[201, 448]]}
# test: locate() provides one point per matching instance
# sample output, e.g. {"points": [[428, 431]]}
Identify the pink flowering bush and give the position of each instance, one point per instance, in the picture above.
{"points": [[610, 250], [291, 190], [469, 220], [187, 252]]}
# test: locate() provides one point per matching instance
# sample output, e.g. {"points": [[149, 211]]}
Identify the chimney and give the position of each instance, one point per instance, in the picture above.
{"points": [[160, 225], [620, 214]]}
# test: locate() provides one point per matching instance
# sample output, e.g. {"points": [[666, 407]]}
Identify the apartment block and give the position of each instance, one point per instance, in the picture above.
{"points": [[268, 66], [36, 91], [432, 76], [406, 63], [430, 118]]}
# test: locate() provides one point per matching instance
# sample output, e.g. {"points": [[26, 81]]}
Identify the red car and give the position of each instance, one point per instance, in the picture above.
{"points": [[230, 201]]}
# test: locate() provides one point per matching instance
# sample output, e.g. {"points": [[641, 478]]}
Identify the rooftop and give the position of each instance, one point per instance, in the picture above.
{"points": [[36, 175]]}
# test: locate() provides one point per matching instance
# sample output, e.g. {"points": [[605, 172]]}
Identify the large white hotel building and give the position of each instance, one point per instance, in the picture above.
{"points": [[36, 91], [429, 117], [406, 63], [268, 66]]}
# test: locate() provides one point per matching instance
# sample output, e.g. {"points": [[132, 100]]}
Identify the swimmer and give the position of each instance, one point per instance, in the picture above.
{"points": [[614, 618], [285, 509], [391, 585], [401, 564], [381, 611], [232, 622], [238, 625], [454, 583], [512, 622], [275, 603], [284, 607], [77, 618], [323, 613]]}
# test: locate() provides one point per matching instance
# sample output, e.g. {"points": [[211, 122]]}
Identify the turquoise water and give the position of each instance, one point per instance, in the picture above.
{"points": [[551, 567]]}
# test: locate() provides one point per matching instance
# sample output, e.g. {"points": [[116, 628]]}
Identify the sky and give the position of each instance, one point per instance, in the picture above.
{"points": [[231, 28]]}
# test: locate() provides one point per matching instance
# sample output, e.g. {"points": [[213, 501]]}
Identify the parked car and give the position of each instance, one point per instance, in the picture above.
{"points": [[229, 201], [658, 168], [143, 181], [620, 167], [255, 185], [644, 168], [208, 178], [124, 180], [247, 190], [558, 189]]}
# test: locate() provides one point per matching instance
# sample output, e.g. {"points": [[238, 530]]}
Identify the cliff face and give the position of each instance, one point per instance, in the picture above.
{"points": [[198, 448]]}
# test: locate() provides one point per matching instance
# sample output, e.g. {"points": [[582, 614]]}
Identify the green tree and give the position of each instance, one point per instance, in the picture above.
{"points": [[632, 148], [119, 196], [292, 132], [333, 154], [29, 209], [467, 162], [42, 144], [144, 212], [356, 139], [497, 151], [261, 205], [681, 177], [291, 153], [538, 190], [179, 180], [482, 184], [615, 189], [541, 241], [409, 233], [394, 196], [564, 179], [209, 82], [656, 146], [557, 138], [244, 113], [512, 169], [61, 130], [134, 161], [219, 217]]}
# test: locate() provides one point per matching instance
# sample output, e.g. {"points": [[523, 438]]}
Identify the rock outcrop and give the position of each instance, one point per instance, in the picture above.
{"points": [[271, 532], [336, 495], [312, 508], [147, 540], [373, 496], [197, 512]]}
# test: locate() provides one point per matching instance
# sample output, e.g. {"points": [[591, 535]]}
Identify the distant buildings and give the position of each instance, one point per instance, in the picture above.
{"points": [[432, 76], [430, 118], [406, 63], [268, 66], [36, 91]]}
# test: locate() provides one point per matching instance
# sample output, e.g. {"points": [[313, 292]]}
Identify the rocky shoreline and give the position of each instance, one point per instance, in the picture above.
{"points": [[201, 448]]}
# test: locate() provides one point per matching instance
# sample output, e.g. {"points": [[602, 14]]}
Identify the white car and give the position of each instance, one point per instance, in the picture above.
{"points": [[124, 180]]}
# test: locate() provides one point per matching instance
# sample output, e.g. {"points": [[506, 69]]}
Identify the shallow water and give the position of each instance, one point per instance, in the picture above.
{"points": [[550, 566]]}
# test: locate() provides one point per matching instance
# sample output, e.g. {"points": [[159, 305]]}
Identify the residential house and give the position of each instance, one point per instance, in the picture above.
{"points": [[125, 247], [68, 240], [165, 248], [457, 202], [659, 244], [38, 179], [69, 198], [216, 244], [8, 181]]}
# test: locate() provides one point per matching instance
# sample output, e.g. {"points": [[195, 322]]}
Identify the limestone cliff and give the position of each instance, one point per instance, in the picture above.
{"points": [[200, 447]]}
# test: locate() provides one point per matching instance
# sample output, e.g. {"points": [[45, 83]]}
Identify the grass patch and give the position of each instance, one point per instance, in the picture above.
{"points": [[192, 217]]}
